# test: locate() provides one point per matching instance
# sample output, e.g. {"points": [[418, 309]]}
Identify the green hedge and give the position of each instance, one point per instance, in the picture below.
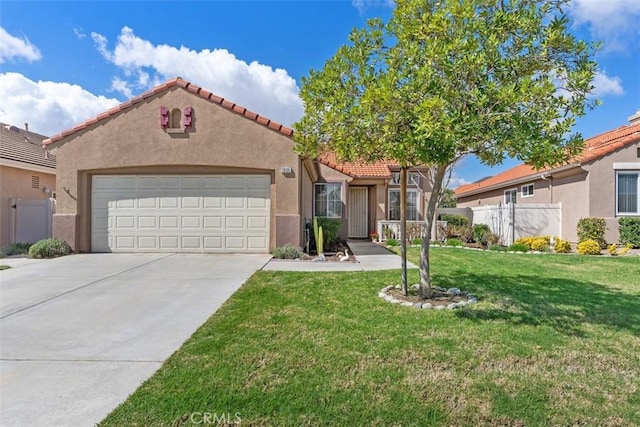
{"points": [[457, 220], [592, 229], [629, 229]]}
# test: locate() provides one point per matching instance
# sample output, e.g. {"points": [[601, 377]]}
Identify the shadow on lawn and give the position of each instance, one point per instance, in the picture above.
{"points": [[564, 304]]}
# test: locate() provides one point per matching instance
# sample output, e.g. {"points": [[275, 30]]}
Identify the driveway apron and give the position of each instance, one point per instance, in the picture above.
{"points": [[79, 334]]}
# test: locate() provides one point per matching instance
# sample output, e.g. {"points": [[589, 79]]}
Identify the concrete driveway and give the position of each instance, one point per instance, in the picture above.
{"points": [[79, 334]]}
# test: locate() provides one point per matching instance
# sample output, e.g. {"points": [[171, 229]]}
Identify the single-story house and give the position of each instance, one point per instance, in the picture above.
{"points": [[602, 182], [179, 169], [27, 173]]}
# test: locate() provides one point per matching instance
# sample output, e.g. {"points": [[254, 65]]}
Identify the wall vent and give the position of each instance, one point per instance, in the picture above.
{"points": [[35, 181]]}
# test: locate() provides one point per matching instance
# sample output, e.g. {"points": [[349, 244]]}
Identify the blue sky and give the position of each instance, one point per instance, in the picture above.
{"points": [[63, 62]]}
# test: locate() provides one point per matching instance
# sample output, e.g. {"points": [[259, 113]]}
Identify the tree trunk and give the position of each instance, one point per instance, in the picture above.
{"points": [[403, 228], [425, 273]]}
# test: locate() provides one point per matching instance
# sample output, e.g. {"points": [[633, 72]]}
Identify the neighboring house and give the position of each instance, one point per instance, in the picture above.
{"points": [[602, 182], [27, 173], [179, 169]]}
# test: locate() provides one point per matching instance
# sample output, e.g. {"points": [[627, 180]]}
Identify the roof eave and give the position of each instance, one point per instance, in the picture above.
{"points": [[512, 182]]}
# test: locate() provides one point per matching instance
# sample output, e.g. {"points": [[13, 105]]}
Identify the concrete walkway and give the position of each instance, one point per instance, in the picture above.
{"points": [[78, 334], [370, 257]]}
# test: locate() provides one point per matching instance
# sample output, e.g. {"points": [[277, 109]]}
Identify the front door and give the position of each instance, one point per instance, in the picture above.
{"points": [[358, 212]]}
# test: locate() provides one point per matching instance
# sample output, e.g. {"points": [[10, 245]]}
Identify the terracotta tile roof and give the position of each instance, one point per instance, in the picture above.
{"points": [[595, 147], [178, 81], [23, 146], [357, 170]]}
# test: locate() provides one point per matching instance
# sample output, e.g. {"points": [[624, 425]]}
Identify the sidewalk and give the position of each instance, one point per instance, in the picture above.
{"points": [[370, 257]]}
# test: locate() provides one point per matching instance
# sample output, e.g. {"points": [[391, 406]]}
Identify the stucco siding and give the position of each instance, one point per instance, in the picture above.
{"points": [[219, 142], [602, 188]]}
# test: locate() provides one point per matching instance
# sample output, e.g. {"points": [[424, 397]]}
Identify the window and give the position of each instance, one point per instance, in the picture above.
{"points": [[510, 196], [627, 190], [413, 178], [328, 200], [394, 205], [527, 190]]}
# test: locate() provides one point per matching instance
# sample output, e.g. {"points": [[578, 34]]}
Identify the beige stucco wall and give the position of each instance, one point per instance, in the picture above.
{"points": [[541, 194], [602, 198], [571, 192], [133, 142], [15, 183]]}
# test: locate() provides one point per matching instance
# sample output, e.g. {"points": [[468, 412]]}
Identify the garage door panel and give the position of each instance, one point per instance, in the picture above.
{"points": [[212, 222], [148, 242], [181, 213]]}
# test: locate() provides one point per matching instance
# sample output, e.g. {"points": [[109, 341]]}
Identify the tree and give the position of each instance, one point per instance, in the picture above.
{"points": [[445, 79], [447, 199]]}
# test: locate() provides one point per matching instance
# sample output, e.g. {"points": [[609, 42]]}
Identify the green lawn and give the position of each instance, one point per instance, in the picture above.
{"points": [[554, 340]]}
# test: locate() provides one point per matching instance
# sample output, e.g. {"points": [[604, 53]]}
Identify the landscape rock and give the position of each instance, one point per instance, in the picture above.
{"points": [[454, 291], [452, 306], [427, 305]]}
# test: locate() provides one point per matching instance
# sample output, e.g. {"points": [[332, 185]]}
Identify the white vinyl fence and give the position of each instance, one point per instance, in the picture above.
{"points": [[31, 220], [512, 221]]}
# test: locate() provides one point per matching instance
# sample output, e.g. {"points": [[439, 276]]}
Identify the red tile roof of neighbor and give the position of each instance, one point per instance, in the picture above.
{"points": [[378, 169], [595, 147], [163, 87]]}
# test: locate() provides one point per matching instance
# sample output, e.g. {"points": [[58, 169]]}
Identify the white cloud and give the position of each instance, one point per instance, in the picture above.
{"points": [[614, 22], [48, 107], [79, 33], [258, 87], [605, 85], [15, 47], [362, 5]]}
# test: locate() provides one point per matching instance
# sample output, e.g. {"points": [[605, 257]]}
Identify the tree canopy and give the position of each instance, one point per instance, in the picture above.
{"points": [[444, 79]]}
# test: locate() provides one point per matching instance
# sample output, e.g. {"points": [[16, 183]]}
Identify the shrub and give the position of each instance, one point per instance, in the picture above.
{"points": [[589, 247], [629, 229], [458, 220], [2, 254], [540, 244], [613, 249], [462, 232], [519, 247], [49, 248], [492, 239], [17, 249], [626, 249], [480, 233], [498, 248], [527, 241], [562, 246], [330, 230], [5, 267], [391, 242], [417, 241], [454, 242], [592, 229], [287, 251]]}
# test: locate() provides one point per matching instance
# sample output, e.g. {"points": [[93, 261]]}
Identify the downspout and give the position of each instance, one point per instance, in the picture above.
{"points": [[549, 178]]}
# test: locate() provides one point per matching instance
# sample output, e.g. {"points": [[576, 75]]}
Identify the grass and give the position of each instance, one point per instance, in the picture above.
{"points": [[554, 340]]}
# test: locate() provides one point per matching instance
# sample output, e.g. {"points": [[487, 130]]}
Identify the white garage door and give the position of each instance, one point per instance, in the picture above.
{"points": [[212, 213]]}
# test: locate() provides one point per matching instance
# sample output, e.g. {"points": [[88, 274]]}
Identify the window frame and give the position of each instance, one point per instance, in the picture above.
{"points": [[338, 215], [617, 194], [522, 193], [413, 178], [417, 210], [513, 191]]}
